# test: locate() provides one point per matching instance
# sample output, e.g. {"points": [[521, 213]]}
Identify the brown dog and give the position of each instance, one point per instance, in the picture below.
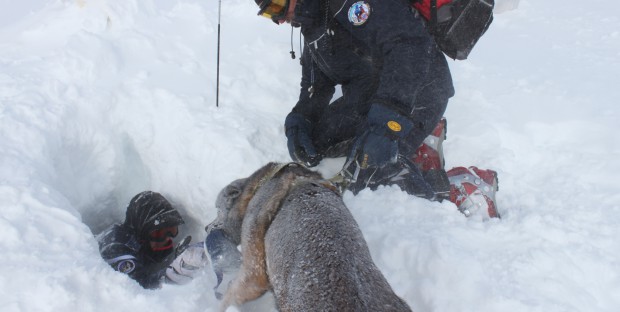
{"points": [[299, 240]]}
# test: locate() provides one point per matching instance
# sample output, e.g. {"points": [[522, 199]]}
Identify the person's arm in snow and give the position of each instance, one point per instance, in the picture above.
{"points": [[186, 266], [122, 259]]}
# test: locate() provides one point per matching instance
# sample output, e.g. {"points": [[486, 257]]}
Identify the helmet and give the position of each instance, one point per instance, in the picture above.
{"points": [[149, 211]]}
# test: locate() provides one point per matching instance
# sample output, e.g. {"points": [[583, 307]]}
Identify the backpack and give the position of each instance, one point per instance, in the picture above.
{"points": [[456, 24]]}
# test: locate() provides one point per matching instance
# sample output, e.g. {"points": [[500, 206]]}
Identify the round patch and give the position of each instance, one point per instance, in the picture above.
{"points": [[393, 125], [126, 266], [359, 13]]}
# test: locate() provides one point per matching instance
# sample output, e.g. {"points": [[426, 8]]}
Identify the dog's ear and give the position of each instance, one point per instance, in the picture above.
{"points": [[231, 192], [228, 196]]}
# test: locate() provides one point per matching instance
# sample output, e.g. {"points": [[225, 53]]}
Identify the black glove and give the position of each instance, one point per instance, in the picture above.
{"points": [[378, 145], [299, 143]]}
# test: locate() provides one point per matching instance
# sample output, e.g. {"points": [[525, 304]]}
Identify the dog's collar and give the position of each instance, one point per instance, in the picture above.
{"points": [[326, 183], [274, 172]]}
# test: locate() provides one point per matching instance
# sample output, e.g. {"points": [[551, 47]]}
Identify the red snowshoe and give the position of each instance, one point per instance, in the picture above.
{"points": [[473, 191]]}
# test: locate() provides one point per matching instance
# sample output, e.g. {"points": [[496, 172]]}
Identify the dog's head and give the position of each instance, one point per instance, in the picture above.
{"points": [[233, 200]]}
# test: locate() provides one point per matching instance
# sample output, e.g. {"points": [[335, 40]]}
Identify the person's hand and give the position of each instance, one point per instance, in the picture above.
{"points": [[374, 150], [377, 146], [187, 265], [299, 143]]}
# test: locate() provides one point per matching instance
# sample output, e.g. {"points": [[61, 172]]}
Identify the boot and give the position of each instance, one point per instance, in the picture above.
{"points": [[429, 159], [473, 191]]}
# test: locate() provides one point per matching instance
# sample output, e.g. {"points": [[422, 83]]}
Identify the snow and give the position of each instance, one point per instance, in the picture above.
{"points": [[100, 100]]}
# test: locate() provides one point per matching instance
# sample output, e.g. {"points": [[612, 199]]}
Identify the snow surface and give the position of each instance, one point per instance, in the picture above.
{"points": [[102, 99]]}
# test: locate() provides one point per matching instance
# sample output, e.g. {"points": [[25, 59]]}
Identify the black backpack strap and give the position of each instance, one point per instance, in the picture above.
{"points": [[433, 21]]}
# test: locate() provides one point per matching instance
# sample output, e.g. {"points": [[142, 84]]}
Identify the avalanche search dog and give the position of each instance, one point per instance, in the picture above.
{"points": [[299, 240]]}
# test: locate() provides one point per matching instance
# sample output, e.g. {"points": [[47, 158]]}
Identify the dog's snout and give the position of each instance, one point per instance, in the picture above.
{"points": [[213, 225]]}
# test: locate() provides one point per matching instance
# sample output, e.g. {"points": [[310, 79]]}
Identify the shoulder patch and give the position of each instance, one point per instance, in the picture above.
{"points": [[126, 266], [359, 13]]}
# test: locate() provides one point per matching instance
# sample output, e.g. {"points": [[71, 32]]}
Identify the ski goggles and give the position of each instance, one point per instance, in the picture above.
{"points": [[274, 9], [161, 235]]}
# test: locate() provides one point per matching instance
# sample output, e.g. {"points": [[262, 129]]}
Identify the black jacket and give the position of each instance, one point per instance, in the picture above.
{"points": [[389, 59], [122, 250]]}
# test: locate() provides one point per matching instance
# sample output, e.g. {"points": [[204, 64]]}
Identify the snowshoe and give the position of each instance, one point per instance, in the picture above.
{"points": [[473, 191]]}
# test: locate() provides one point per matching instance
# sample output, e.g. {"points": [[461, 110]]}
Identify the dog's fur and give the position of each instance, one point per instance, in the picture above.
{"points": [[299, 240]]}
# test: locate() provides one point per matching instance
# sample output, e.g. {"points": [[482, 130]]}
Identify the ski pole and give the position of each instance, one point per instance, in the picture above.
{"points": [[217, 81]]}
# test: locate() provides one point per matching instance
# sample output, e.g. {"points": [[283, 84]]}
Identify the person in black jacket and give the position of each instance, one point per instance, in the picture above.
{"points": [[143, 248], [395, 84]]}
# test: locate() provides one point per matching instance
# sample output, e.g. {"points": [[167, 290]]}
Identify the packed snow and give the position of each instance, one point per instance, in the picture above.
{"points": [[100, 100]]}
